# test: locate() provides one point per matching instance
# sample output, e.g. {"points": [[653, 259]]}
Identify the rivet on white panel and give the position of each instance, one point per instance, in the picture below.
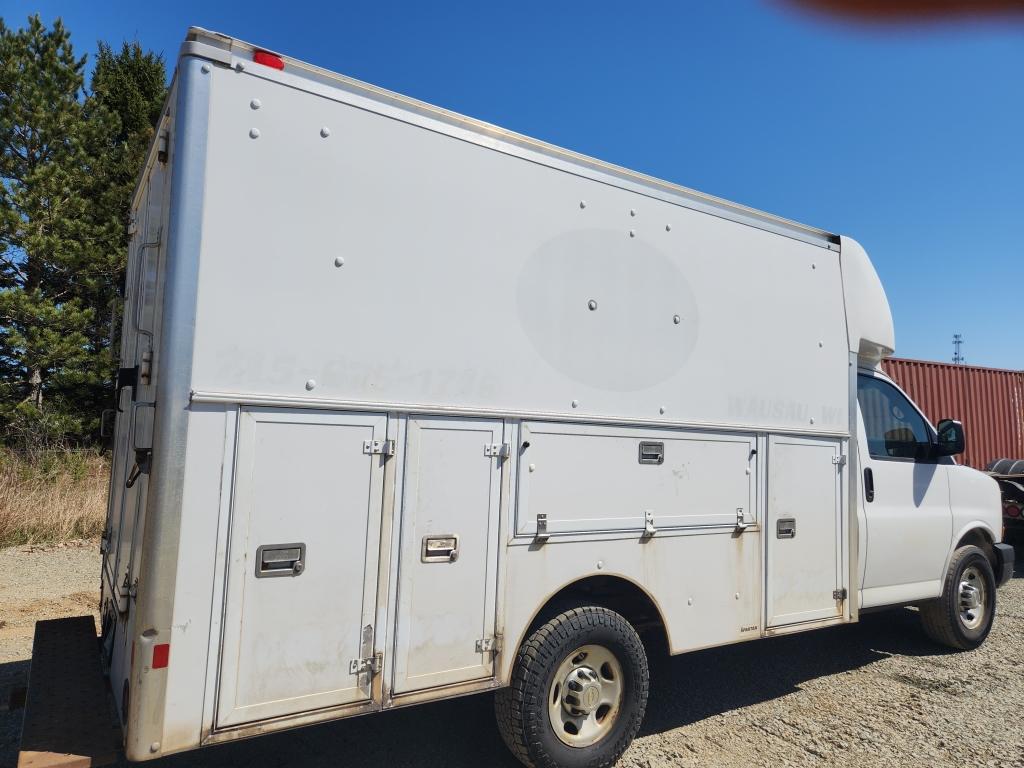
{"points": [[575, 403], [254, 133], [310, 384], [255, 104], [339, 261], [325, 132], [583, 203], [632, 233]]}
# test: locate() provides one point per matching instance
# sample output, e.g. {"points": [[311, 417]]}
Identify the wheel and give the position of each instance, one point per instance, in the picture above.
{"points": [[578, 691], [999, 466], [962, 616]]}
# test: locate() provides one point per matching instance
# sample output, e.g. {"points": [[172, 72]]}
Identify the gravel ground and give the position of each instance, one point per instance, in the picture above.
{"points": [[874, 694]]}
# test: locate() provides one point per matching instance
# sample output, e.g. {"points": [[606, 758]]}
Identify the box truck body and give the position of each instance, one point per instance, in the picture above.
{"points": [[405, 397]]}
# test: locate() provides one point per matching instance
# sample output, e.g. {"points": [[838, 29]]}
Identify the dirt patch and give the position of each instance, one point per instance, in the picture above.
{"points": [[44, 582]]}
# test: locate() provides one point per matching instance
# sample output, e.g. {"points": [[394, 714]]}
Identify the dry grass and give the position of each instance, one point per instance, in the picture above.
{"points": [[52, 497]]}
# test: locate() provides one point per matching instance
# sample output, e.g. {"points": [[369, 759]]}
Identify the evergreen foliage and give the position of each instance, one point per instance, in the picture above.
{"points": [[68, 162]]}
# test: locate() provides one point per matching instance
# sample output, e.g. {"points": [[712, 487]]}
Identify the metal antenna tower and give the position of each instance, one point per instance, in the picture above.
{"points": [[958, 341]]}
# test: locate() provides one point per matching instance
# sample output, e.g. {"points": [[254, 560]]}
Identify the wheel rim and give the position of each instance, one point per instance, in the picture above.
{"points": [[973, 598], [585, 697]]}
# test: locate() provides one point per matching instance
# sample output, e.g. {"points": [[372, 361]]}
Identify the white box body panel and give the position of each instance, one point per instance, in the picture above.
{"points": [[468, 274]]}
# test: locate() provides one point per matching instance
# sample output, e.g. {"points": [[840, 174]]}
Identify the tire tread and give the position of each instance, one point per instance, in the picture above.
{"points": [[526, 692], [938, 617]]}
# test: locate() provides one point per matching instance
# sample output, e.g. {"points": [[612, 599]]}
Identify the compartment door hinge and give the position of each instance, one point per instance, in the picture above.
{"points": [[489, 644], [501, 450], [379, 447], [839, 461], [372, 664], [839, 594], [542, 533]]}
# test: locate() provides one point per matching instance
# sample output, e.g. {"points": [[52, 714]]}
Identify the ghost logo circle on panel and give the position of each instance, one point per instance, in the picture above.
{"points": [[612, 313]]}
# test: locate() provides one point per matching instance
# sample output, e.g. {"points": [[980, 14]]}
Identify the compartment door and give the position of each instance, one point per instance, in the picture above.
{"points": [[803, 530], [448, 557], [302, 563], [590, 478], [136, 403]]}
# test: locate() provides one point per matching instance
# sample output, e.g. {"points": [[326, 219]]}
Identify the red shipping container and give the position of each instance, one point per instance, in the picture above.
{"points": [[989, 402]]}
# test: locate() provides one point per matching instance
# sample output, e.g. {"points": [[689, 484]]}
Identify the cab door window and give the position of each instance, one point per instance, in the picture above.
{"points": [[894, 428]]}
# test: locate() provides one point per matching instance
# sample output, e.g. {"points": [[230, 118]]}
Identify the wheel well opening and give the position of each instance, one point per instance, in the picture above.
{"points": [[980, 539], [616, 594]]}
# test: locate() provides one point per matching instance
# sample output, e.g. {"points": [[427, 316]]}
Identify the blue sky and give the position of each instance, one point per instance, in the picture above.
{"points": [[908, 138]]}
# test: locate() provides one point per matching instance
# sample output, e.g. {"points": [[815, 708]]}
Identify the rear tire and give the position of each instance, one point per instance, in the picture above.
{"points": [[561, 712], [962, 616]]}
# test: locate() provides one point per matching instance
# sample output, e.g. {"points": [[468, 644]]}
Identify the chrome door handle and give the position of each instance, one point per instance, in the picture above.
{"points": [[785, 528], [280, 560], [443, 548]]}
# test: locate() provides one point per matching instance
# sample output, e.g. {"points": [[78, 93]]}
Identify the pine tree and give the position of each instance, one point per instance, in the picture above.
{"points": [[68, 163], [45, 235], [127, 94]]}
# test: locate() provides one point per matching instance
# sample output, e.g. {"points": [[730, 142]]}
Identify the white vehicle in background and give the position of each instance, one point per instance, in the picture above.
{"points": [[415, 407]]}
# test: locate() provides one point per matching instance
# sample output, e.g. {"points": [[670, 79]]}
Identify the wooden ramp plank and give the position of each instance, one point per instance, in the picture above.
{"points": [[67, 716]]}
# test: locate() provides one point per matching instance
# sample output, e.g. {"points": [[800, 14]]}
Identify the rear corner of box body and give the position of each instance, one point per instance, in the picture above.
{"points": [[154, 728]]}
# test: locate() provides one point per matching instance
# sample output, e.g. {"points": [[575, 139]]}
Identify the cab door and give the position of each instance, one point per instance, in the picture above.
{"points": [[904, 497]]}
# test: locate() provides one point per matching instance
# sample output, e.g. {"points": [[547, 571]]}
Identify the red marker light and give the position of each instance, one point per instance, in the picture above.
{"points": [[1012, 511], [161, 655], [268, 59]]}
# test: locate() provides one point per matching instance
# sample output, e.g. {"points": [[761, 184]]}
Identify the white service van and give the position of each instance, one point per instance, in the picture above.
{"points": [[414, 407]]}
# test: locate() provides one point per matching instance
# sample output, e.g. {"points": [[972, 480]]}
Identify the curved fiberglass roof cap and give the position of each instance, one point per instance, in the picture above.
{"points": [[868, 317]]}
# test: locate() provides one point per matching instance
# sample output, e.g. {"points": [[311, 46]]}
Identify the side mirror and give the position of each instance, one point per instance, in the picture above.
{"points": [[951, 438]]}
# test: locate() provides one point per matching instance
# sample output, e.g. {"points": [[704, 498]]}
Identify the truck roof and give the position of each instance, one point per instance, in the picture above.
{"points": [[239, 54]]}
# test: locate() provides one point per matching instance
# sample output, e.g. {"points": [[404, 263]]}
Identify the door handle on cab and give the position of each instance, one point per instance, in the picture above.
{"points": [[869, 484]]}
